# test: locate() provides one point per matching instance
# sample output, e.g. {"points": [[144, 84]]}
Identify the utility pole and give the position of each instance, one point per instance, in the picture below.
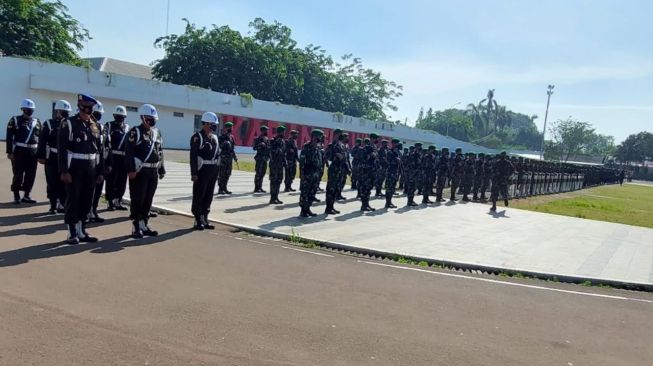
{"points": [[453, 105], [546, 116], [167, 17]]}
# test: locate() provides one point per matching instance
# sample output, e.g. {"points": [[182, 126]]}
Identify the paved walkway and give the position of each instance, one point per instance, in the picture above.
{"points": [[462, 233]]}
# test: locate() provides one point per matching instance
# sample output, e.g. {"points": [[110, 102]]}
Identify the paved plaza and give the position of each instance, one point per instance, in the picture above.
{"points": [[461, 233]]}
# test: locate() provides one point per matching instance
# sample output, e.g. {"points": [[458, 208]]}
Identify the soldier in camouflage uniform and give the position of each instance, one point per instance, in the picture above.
{"points": [[503, 169], [356, 154], [443, 174], [380, 174], [292, 157], [468, 175], [227, 157], [368, 175], [262, 148], [277, 164], [478, 175], [346, 169], [457, 167], [337, 168], [428, 165], [310, 164], [413, 169], [404, 163], [487, 175], [393, 163]]}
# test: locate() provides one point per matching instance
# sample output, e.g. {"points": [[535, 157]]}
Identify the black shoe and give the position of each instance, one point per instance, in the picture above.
{"points": [[454, 199], [475, 198], [72, 235], [27, 199], [440, 200], [111, 208], [365, 208], [412, 204], [199, 224], [88, 239], [292, 189], [390, 205], [379, 194], [341, 198], [427, 201], [227, 191], [52, 210], [149, 232], [316, 200], [221, 192], [286, 190], [262, 191], [319, 189], [505, 203], [206, 224], [330, 212], [466, 199], [137, 234], [493, 208], [83, 236], [95, 218], [278, 202], [16, 198], [153, 214], [311, 213], [303, 213]]}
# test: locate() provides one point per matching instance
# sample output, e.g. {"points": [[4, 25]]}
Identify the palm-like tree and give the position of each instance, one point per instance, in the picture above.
{"points": [[489, 108], [502, 118]]}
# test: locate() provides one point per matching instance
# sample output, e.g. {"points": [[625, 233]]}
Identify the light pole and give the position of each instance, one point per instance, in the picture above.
{"points": [[453, 105], [546, 116]]}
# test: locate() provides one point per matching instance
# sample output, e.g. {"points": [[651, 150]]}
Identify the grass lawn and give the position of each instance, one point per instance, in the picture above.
{"points": [[628, 204]]}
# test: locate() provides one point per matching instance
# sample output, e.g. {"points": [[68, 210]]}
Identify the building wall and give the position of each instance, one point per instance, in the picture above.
{"points": [[48, 82]]}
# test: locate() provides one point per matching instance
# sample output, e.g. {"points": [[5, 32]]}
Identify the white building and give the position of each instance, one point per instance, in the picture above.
{"points": [[117, 82]]}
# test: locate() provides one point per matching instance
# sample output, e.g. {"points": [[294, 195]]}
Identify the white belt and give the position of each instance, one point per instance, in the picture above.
{"points": [[210, 162], [150, 165], [81, 156], [53, 150], [29, 146], [118, 152]]}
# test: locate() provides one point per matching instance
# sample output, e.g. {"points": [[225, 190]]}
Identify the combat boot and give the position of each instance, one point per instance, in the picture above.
{"points": [[226, 191], [411, 202], [388, 203], [53, 207], [465, 198], [16, 198], [83, 235], [27, 198], [205, 222], [310, 213], [137, 233], [494, 207], [505, 202], [303, 213], [453, 198], [198, 223], [426, 201], [146, 229], [72, 235], [94, 217]]}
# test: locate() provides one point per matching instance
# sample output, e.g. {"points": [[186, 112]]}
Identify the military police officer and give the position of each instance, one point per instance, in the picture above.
{"points": [[117, 131], [310, 164], [204, 149], [227, 157], [47, 155], [98, 111], [22, 141], [145, 166], [277, 164]]}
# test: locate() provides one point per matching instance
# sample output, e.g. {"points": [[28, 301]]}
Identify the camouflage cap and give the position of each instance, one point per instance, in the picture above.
{"points": [[228, 124]]}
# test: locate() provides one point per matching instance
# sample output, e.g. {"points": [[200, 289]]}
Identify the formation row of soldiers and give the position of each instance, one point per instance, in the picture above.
{"points": [[79, 154]]}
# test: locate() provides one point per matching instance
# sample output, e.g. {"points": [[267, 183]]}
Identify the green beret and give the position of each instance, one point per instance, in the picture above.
{"points": [[374, 136], [337, 130], [395, 141], [317, 132], [228, 124], [431, 147], [281, 129], [264, 128]]}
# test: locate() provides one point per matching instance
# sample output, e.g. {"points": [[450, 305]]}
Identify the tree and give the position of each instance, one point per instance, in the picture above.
{"points": [[452, 122], [635, 148], [572, 137], [269, 64], [40, 29]]}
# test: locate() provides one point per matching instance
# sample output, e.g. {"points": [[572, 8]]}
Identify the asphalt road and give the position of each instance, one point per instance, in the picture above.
{"points": [[226, 298]]}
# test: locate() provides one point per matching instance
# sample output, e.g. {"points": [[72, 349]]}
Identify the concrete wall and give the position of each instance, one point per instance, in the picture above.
{"points": [[47, 82]]}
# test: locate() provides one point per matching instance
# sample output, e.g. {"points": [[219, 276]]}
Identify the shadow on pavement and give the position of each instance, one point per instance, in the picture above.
{"points": [[499, 214], [52, 228], [50, 250], [31, 217], [292, 222]]}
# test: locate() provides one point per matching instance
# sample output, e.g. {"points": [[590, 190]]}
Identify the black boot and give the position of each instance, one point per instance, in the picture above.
{"points": [[111, 206], [303, 213], [199, 225], [53, 207], [411, 202], [72, 235], [94, 217], [505, 202], [146, 229], [388, 203], [205, 222], [27, 199], [310, 213], [137, 233], [227, 191], [453, 198], [426, 200], [16, 198], [83, 235], [118, 205], [465, 198]]}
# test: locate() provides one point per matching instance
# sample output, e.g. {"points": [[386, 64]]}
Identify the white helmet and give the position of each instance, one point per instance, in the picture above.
{"points": [[148, 110], [98, 107], [120, 111], [63, 105], [210, 117], [27, 103]]}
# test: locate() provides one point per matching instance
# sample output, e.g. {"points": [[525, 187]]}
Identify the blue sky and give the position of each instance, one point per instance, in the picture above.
{"points": [[597, 53]]}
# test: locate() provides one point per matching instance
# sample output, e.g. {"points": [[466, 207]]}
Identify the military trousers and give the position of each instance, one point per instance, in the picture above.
{"points": [[116, 179], [141, 193], [289, 174], [56, 189], [203, 189], [307, 189], [226, 166], [260, 168], [24, 169], [79, 193], [276, 178]]}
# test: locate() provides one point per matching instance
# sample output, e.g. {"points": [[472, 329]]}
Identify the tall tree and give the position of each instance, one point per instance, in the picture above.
{"points": [[270, 65], [571, 137], [635, 148], [41, 29]]}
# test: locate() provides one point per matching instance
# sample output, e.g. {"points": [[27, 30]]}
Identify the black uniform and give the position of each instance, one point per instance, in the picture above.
{"points": [[80, 156], [117, 178], [47, 150], [204, 164], [262, 148], [146, 145], [292, 157], [102, 171], [22, 142], [277, 167]]}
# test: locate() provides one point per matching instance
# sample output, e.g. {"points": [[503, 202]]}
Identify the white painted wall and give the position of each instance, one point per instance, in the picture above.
{"points": [[48, 82]]}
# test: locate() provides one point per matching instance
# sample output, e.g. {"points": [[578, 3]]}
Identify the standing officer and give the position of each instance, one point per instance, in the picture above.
{"points": [[292, 157], [469, 172], [502, 172], [277, 164], [22, 141], [47, 155], [443, 174], [80, 160], [478, 176], [144, 161], [355, 163], [393, 164], [337, 168], [428, 166], [457, 168], [204, 148], [346, 168], [227, 157], [310, 163], [380, 174], [369, 166], [117, 131], [98, 111], [262, 148], [413, 165]]}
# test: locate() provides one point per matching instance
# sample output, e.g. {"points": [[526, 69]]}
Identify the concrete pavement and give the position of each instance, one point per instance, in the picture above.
{"points": [[227, 298], [461, 233]]}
